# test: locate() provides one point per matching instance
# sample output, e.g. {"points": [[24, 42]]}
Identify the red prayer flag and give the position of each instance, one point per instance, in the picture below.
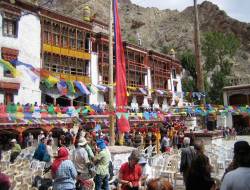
{"points": [[121, 84]]}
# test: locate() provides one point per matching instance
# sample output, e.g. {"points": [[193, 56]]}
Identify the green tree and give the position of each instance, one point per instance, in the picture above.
{"points": [[188, 63], [215, 92], [218, 50], [188, 84]]}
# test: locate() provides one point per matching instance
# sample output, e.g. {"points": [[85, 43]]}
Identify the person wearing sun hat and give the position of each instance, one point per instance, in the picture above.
{"points": [[102, 160], [146, 170], [238, 178], [80, 158], [40, 136]]}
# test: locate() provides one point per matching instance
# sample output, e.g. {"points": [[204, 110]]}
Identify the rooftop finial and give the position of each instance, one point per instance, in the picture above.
{"points": [[172, 53]]}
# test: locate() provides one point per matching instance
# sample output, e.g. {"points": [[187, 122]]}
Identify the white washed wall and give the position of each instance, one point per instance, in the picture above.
{"points": [[28, 43], [148, 83], [179, 87], [93, 99], [1, 98]]}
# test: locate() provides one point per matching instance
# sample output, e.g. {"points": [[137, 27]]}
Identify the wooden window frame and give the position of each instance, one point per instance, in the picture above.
{"points": [[103, 61], [160, 73], [64, 37], [135, 68], [56, 34], [80, 40], [9, 54], [47, 32], [72, 38], [10, 20]]}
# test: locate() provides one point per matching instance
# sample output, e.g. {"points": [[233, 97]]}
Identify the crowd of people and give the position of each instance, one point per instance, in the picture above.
{"points": [[229, 133], [83, 161], [169, 135], [196, 169]]}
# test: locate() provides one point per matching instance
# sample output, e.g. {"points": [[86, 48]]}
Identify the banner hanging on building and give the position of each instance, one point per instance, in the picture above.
{"points": [[121, 84]]}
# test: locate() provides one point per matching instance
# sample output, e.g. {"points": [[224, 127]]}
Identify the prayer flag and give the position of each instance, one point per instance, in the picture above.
{"points": [[7, 65], [62, 87], [71, 87], [121, 85]]}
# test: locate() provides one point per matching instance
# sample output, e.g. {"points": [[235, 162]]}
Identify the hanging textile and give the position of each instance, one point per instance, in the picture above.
{"points": [[121, 85], [53, 80], [91, 89], [27, 68], [83, 89], [101, 87], [18, 63], [47, 83], [71, 87], [62, 87], [8, 66], [143, 91]]}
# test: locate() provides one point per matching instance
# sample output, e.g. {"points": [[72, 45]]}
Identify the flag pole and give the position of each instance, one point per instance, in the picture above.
{"points": [[197, 43], [111, 79]]}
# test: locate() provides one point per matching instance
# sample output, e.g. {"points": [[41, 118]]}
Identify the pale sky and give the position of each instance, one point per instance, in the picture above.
{"points": [[238, 9]]}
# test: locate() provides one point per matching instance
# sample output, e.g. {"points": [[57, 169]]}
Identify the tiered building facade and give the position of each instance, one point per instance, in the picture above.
{"points": [[76, 50]]}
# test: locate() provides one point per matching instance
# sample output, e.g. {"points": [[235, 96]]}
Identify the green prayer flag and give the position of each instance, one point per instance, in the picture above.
{"points": [[91, 89], [71, 87]]}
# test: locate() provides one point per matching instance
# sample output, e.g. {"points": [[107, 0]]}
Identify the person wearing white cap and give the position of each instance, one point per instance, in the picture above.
{"points": [[15, 150], [81, 162], [40, 136], [187, 156], [146, 170]]}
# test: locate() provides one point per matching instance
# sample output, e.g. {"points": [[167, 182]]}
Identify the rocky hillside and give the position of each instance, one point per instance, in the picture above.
{"points": [[164, 29]]}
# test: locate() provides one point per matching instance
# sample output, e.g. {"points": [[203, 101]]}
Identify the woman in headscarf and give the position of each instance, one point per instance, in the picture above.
{"points": [[63, 171]]}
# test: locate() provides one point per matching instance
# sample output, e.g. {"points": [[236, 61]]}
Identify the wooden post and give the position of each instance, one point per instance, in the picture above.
{"points": [[158, 141], [199, 68], [111, 82], [198, 65], [54, 101]]}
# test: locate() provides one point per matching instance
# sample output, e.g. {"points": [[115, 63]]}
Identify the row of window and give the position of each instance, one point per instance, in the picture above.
{"points": [[57, 34], [136, 75], [136, 57], [67, 65]]}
